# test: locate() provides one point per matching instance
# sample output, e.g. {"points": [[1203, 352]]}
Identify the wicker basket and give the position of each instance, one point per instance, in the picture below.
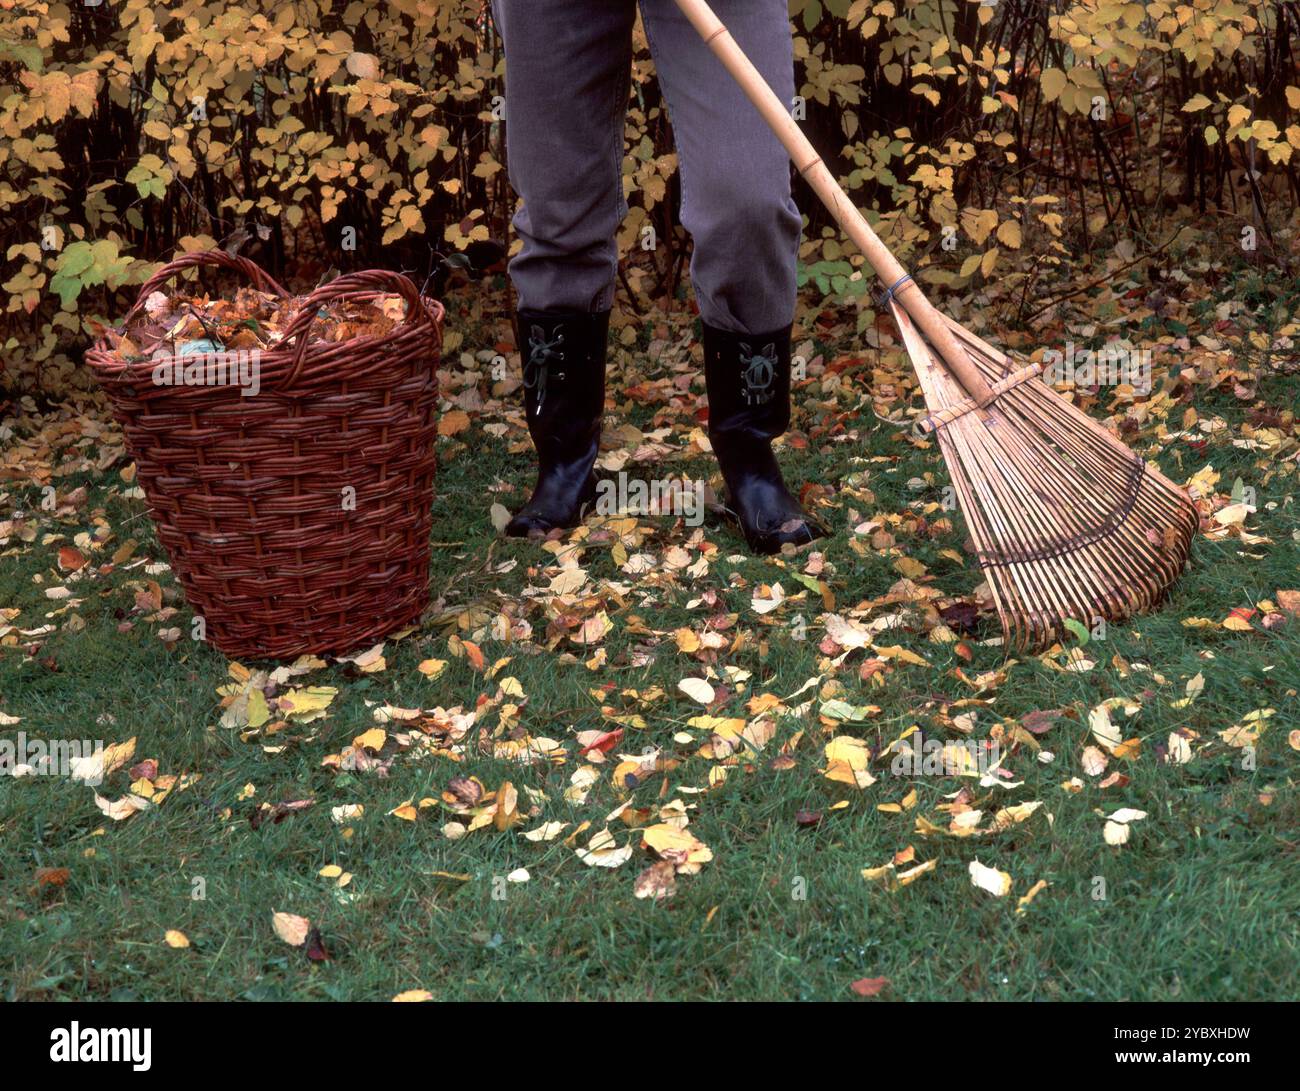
{"points": [[297, 519]]}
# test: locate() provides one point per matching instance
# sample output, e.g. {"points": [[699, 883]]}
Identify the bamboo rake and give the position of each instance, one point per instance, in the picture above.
{"points": [[1066, 521]]}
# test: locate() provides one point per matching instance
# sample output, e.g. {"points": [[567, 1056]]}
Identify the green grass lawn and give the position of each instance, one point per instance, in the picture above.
{"points": [[1202, 901]]}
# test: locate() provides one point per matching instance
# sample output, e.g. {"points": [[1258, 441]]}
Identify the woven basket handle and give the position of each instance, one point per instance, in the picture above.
{"points": [[360, 287], [262, 280]]}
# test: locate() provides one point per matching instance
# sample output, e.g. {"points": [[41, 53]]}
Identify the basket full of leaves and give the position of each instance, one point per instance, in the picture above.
{"points": [[286, 448]]}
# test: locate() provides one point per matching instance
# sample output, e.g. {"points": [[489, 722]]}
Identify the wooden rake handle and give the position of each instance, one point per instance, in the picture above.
{"points": [[818, 176]]}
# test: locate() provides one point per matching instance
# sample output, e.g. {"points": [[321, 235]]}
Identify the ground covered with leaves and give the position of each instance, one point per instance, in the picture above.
{"points": [[634, 762]]}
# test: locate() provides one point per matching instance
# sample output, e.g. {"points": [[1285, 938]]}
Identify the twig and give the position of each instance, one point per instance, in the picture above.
{"points": [[1102, 279]]}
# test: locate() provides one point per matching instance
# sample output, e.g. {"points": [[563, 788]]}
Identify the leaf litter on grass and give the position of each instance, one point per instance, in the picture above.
{"points": [[644, 596]]}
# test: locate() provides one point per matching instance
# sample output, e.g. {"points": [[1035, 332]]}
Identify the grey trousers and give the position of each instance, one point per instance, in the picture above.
{"points": [[568, 66]]}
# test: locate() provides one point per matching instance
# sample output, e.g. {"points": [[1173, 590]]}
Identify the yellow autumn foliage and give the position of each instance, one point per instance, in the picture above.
{"points": [[339, 134]]}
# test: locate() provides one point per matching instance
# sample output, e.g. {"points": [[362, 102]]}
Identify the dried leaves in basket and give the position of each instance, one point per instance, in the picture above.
{"points": [[183, 325]]}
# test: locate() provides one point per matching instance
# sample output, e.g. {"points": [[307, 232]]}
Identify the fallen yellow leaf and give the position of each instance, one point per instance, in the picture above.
{"points": [[995, 882], [412, 996], [373, 740], [291, 928]]}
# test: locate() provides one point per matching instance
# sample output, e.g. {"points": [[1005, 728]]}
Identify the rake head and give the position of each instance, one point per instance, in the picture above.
{"points": [[1067, 522]]}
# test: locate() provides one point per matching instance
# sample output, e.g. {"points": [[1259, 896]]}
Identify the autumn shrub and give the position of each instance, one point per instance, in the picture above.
{"points": [[992, 140]]}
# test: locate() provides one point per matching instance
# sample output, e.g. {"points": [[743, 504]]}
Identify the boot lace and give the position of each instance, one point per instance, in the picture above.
{"points": [[540, 354]]}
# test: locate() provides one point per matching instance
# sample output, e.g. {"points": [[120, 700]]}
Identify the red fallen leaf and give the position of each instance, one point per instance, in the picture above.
{"points": [[277, 812], [718, 623], [75, 499], [290, 806], [149, 599], [52, 876], [870, 667], [474, 654], [869, 986], [70, 559], [1040, 721], [809, 492], [465, 790], [962, 617], [843, 363], [808, 819], [145, 770], [1243, 612], [658, 881], [315, 946], [604, 742]]}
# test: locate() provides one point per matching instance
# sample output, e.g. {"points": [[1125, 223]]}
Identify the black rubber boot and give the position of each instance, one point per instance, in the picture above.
{"points": [[564, 400], [748, 382]]}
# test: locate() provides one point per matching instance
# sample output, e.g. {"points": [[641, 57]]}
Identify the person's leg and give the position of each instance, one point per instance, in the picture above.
{"points": [[568, 64], [736, 203], [567, 72], [735, 175]]}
